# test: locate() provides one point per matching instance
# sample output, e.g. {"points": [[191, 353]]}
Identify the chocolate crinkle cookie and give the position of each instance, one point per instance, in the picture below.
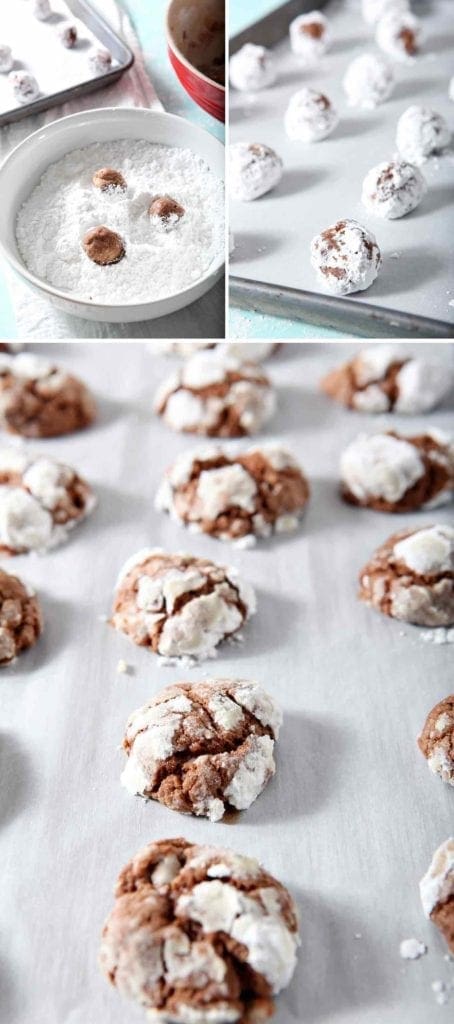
{"points": [[40, 501], [386, 378], [179, 606], [391, 473], [216, 395], [37, 399], [437, 891], [20, 618], [411, 577], [436, 741], [199, 935], [203, 748], [235, 497]]}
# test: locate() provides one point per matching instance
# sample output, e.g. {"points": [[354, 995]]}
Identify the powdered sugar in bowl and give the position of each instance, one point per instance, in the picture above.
{"points": [[47, 191]]}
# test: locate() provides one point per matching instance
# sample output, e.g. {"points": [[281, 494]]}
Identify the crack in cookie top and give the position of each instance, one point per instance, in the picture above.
{"points": [[392, 473], [235, 497], [216, 395], [180, 606], [437, 886], [40, 501], [203, 748], [37, 399], [20, 617], [436, 741], [199, 933], [385, 378]]}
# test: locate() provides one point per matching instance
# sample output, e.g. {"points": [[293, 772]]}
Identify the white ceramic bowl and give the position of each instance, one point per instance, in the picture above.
{"points": [[23, 168]]}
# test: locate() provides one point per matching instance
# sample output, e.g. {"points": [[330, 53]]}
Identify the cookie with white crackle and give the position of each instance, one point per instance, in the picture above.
{"points": [[437, 891], [199, 934], [21, 619], [38, 399], [237, 498], [41, 500], [411, 577], [203, 748], [216, 395], [392, 473], [179, 606], [436, 741], [387, 378]]}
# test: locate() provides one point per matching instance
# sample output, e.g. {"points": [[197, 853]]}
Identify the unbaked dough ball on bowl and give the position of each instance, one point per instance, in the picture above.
{"points": [[437, 892], [389, 378], [399, 34], [203, 748], [392, 189], [199, 935], [368, 81], [216, 395], [346, 257], [373, 10], [235, 497], [411, 577], [436, 741], [310, 116], [310, 36], [179, 606], [41, 500], [255, 169], [421, 133], [392, 473], [21, 620], [38, 399], [252, 68]]}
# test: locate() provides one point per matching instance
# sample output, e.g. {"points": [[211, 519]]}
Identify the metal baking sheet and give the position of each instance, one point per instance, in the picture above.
{"points": [[353, 815], [61, 74], [322, 183]]}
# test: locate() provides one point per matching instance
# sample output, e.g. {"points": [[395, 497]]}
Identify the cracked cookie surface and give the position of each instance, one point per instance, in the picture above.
{"points": [[199, 935], [37, 399], [437, 891], [436, 741], [392, 473], [21, 620], [385, 378]]}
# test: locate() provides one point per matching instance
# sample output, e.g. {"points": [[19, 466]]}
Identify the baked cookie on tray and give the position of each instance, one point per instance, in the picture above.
{"points": [[392, 473], [179, 606], [389, 378], [199, 934], [235, 497], [436, 741], [21, 620], [411, 577], [37, 399], [41, 500], [437, 891], [203, 748]]}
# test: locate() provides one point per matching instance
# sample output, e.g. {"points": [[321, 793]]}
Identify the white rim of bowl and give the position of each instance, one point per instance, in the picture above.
{"points": [[22, 270], [181, 56]]}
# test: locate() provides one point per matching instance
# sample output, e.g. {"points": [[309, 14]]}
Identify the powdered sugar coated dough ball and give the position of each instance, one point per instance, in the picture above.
{"points": [[373, 10], [310, 116], [368, 81], [42, 9], [399, 34], [393, 189], [310, 36], [252, 68], [255, 169], [346, 257], [421, 132], [25, 86]]}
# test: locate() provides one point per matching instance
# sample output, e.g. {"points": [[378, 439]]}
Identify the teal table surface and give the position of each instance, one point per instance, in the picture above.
{"points": [[148, 17], [249, 324]]}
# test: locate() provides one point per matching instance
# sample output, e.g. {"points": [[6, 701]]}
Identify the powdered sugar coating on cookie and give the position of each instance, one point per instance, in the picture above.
{"points": [[392, 189], [186, 921], [20, 618], [216, 395], [368, 81], [203, 748], [437, 886], [373, 10], [436, 741], [40, 501], [346, 257], [252, 68], [310, 36], [310, 116], [237, 498], [179, 606], [411, 577], [399, 34], [421, 133], [427, 552], [38, 399], [255, 169], [387, 378], [392, 473]]}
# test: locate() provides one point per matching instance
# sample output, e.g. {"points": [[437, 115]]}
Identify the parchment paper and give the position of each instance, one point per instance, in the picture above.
{"points": [[322, 181], [353, 815]]}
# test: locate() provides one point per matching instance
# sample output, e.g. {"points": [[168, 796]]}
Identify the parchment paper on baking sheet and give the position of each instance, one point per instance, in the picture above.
{"points": [[353, 815], [322, 182]]}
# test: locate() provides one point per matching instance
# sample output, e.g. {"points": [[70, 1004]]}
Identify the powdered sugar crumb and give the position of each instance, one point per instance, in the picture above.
{"points": [[412, 949], [437, 636]]}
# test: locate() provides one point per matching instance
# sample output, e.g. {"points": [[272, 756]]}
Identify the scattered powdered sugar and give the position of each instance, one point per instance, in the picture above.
{"points": [[160, 260], [437, 636], [412, 949]]}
